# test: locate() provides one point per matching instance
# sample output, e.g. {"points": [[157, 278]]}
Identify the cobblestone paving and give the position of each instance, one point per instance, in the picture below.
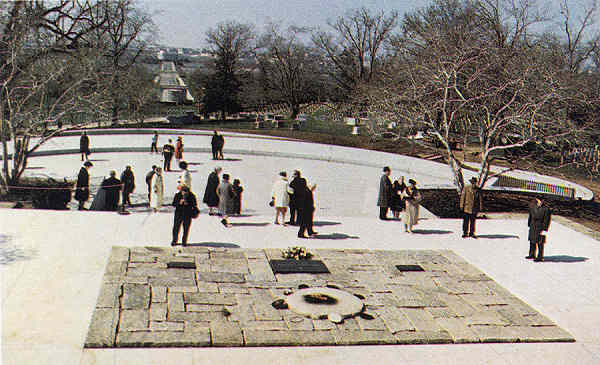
{"points": [[226, 301]]}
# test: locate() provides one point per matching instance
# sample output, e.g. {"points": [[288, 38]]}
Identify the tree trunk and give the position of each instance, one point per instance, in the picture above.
{"points": [[295, 111]]}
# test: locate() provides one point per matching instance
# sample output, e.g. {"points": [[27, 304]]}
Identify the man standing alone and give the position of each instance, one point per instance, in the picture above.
{"points": [[82, 192], [84, 146], [538, 222], [385, 193], [470, 205], [154, 146]]}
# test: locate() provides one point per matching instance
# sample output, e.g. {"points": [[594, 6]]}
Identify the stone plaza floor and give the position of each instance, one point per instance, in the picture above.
{"points": [[56, 271], [200, 296]]}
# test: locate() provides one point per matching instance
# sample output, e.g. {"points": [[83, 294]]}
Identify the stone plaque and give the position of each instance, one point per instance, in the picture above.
{"points": [[405, 268], [298, 267], [181, 265]]}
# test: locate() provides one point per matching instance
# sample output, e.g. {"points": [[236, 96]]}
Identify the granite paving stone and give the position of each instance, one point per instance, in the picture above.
{"points": [[134, 320], [458, 330], [226, 334], [159, 294], [363, 337], [166, 326], [109, 296], [136, 296], [158, 312], [175, 302], [163, 339], [209, 298], [103, 328], [220, 277]]}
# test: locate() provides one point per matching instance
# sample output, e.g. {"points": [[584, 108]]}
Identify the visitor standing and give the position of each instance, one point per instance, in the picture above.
{"points": [[149, 177], [221, 143], [186, 177], [298, 185], [128, 181], [281, 197], [179, 149], [214, 144], [186, 208], [158, 190], [538, 222], [211, 199], [112, 188], [154, 145], [82, 192], [470, 205], [412, 197], [225, 194], [306, 212], [84, 146], [168, 151], [396, 203], [237, 197], [385, 193]]}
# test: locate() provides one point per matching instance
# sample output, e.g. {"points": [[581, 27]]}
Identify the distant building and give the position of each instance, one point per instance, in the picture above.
{"points": [[172, 87]]}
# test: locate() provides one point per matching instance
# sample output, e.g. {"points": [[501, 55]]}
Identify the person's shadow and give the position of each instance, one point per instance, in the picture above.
{"points": [[325, 223], [248, 224], [431, 231], [497, 236], [335, 236], [213, 244], [564, 258]]}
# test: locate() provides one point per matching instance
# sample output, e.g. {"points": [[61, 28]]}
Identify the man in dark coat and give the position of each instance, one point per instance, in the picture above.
{"points": [[214, 144], [470, 204], [168, 151], [149, 177], [82, 192], [184, 203], [538, 222], [299, 185], [84, 146], [112, 186], [385, 193], [306, 212], [128, 181], [210, 194]]}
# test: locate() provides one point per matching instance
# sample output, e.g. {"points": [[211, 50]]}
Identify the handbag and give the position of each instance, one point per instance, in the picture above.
{"points": [[272, 202], [195, 212]]}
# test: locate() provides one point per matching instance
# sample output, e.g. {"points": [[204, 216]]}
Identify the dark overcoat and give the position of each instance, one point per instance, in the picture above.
{"points": [[112, 186], [128, 181], [306, 208], [184, 210], [539, 220], [83, 185], [299, 186], [84, 144], [210, 194], [385, 192]]}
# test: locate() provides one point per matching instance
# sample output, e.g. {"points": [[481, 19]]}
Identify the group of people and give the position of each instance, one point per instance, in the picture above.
{"points": [[222, 197], [298, 196], [399, 197], [110, 192], [217, 142]]}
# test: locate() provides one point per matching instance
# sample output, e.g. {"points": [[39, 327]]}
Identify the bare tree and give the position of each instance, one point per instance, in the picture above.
{"points": [[290, 70], [356, 45], [580, 45], [51, 69], [230, 43]]}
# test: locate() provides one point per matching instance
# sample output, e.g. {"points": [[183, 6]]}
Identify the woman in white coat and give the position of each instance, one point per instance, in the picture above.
{"points": [[281, 198], [157, 190]]}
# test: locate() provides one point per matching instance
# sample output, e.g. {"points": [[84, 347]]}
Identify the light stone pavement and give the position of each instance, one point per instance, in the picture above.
{"points": [[53, 265]]}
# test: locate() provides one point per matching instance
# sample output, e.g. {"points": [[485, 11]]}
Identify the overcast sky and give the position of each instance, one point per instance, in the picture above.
{"points": [[183, 23]]}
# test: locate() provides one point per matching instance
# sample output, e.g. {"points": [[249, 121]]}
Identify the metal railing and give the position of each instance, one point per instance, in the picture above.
{"points": [[513, 182]]}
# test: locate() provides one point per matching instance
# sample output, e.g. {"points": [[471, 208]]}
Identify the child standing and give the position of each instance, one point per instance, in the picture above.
{"points": [[237, 197]]}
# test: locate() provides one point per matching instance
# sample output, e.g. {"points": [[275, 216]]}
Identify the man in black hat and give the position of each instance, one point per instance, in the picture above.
{"points": [[385, 193], [470, 205], [82, 192]]}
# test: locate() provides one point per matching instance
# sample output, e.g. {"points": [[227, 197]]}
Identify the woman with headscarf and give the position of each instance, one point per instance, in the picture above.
{"points": [[225, 194], [157, 190], [210, 194], [412, 197]]}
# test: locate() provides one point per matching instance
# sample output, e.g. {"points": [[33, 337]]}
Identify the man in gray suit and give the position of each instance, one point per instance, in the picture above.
{"points": [[385, 193]]}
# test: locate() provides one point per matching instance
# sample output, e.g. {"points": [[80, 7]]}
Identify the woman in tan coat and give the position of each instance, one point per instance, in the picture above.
{"points": [[412, 197]]}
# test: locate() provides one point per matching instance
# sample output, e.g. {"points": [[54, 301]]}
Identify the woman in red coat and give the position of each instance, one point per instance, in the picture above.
{"points": [[179, 149]]}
